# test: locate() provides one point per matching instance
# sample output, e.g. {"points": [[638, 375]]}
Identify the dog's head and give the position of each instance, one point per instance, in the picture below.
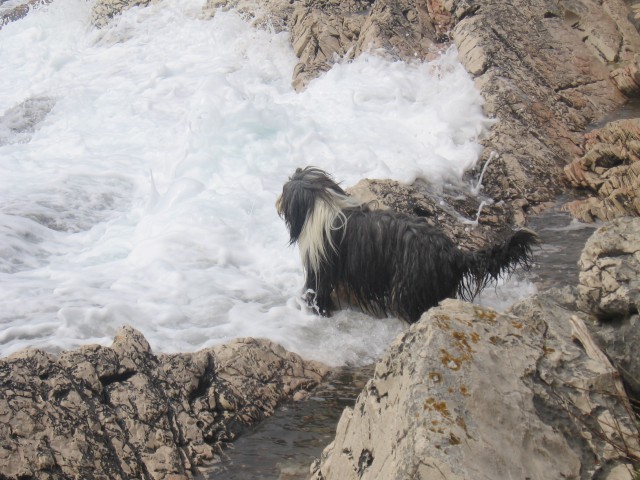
{"points": [[300, 196]]}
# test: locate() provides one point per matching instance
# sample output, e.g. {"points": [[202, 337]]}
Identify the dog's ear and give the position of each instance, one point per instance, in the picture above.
{"points": [[301, 193], [319, 179], [295, 204]]}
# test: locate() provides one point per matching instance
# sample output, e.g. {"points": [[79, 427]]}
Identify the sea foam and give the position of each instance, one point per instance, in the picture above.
{"points": [[144, 195]]}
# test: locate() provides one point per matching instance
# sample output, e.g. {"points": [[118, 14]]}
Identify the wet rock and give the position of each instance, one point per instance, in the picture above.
{"points": [[325, 32], [123, 412], [471, 393], [627, 78], [19, 122], [272, 14], [610, 168], [544, 71], [610, 270], [609, 289], [19, 10], [323, 35], [104, 10], [471, 220]]}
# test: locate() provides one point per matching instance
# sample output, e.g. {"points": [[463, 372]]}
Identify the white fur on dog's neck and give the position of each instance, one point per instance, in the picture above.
{"points": [[316, 237]]}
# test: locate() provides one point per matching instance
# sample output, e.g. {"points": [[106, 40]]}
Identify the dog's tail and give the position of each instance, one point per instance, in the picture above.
{"points": [[485, 266]]}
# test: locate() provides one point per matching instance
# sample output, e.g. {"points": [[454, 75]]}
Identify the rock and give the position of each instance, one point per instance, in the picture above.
{"points": [[274, 14], [619, 339], [123, 412], [471, 393], [627, 78], [19, 122], [104, 10], [323, 33], [19, 10], [610, 168], [610, 270], [472, 221], [543, 69], [609, 289]]}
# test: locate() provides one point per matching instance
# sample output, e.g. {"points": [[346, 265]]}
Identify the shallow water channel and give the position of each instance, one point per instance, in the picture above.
{"points": [[284, 446]]}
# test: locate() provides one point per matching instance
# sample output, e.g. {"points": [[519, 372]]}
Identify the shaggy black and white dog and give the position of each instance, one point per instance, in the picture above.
{"points": [[383, 261]]}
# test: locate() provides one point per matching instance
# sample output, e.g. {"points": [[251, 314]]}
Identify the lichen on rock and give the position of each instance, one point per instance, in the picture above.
{"points": [[471, 393]]}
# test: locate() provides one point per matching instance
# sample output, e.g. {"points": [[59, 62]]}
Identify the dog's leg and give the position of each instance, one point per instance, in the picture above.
{"points": [[318, 294]]}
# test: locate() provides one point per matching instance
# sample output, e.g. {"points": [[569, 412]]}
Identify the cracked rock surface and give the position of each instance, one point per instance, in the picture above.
{"points": [[121, 412], [543, 68], [609, 289], [470, 393], [610, 169], [610, 270]]}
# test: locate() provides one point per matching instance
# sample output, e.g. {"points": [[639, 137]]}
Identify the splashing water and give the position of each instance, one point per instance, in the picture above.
{"points": [[140, 163]]}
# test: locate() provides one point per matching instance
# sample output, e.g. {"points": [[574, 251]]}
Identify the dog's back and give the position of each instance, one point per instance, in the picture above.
{"points": [[391, 262]]}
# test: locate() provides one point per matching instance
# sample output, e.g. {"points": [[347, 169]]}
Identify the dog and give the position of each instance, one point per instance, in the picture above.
{"points": [[383, 261]]}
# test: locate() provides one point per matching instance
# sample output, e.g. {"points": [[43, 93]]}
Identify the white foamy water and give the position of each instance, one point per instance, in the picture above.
{"points": [[138, 181]]}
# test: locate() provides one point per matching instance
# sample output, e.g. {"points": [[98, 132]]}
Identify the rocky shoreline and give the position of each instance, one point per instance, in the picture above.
{"points": [[122, 412], [471, 393], [464, 393]]}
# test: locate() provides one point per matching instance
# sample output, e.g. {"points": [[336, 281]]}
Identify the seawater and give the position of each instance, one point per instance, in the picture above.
{"points": [[140, 163]]}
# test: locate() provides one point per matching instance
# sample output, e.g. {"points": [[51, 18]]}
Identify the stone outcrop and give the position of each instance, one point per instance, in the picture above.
{"points": [[609, 289], [104, 10], [19, 122], [19, 10], [470, 393], [102, 13], [610, 169], [544, 70], [324, 32], [610, 270], [121, 412], [465, 218]]}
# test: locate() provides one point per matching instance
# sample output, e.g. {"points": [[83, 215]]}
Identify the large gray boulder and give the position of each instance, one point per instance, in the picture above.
{"points": [[610, 270], [121, 412], [609, 289], [468, 393]]}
